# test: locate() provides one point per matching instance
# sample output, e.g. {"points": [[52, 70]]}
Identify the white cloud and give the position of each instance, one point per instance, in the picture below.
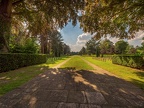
{"points": [[75, 47], [135, 41], [138, 39], [114, 40], [81, 40], [84, 37], [59, 30]]}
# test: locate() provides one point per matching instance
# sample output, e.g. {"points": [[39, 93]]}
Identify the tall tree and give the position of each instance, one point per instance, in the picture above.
{"points": [[83, 51], [118, 18], [56, 42], [92, 45], [106, 47], [57, 11], [130, 49], [120, 46], [66, 49]]}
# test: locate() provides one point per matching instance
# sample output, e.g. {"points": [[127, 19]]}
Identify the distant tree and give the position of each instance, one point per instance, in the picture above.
{"points": [[130, 49], [142, 43], [66, 49], [83, 51], [120, 46], [56, 43], [91, 46], [97, 50], [142, 47], [106, 47]]}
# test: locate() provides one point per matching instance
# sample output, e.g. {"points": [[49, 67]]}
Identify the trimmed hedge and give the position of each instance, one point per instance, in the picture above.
{"points": [[130, 61], [16, 60]]}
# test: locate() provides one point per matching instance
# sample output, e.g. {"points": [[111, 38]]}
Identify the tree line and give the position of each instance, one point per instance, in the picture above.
{"points": [[52, 44], [28, 26], [99, 48], [40, 19]]}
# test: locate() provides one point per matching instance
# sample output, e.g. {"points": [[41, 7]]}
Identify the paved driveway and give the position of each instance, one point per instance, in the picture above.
{"points": [[68, 88]]}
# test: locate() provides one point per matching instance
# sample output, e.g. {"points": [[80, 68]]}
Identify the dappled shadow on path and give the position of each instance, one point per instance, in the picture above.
{"points": [[70, 88]]}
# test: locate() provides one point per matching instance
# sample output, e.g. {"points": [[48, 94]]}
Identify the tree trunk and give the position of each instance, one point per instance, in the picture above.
{"points": [[42, 44], [45, 47], [5, 24]]}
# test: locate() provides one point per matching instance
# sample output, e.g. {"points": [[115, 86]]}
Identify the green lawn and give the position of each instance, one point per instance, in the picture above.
{"points": [[13, 79], [55, 61], [133, 75], [77, 63]]}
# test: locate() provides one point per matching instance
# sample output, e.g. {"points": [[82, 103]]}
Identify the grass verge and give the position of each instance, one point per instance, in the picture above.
{"points": [[133, 75], [13, 79], [77, 63]]}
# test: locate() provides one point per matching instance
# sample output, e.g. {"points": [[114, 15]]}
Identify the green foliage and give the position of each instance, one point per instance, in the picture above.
{"points": [[106, 47], [82, 51], [91, 46], [14, 61], [29, 46], [118, 18], [97, 51], [130, 61], [56, 44], [36, 17], [120, 46], [130, 49]]}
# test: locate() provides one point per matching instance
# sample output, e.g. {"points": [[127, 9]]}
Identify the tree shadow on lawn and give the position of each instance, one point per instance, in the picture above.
{"points": [[140, 83], [140, 74], [73, 86]]}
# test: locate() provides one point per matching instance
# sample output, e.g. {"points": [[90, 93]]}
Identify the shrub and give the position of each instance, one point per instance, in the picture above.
{"points": [[131, 61], [17, 60], [29, 46]]}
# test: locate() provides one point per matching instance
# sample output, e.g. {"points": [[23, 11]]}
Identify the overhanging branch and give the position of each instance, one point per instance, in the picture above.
{"points": [[19, 13], [17, 2]]}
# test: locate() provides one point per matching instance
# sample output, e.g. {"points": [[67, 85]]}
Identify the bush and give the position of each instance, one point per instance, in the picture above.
{"points": [[17, 60], [131, 61], [29, 46]]}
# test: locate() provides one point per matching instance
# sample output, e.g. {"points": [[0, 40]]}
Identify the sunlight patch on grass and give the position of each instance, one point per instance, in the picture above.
{"points": [[13, 79], [77, 63]]}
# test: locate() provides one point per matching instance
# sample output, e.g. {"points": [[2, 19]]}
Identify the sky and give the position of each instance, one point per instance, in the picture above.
{"points": [[76, 38]]}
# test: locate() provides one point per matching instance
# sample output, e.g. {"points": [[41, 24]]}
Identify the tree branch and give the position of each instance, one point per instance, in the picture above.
{"points": [[17, 2], [19, 13]]}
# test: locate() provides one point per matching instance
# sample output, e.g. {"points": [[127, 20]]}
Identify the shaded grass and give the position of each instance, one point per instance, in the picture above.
{"points": [[133, 75], [77, 63], [13, 79]]}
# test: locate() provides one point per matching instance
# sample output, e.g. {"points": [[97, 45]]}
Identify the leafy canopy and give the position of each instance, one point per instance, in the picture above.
{"points": [[118, 18]]}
